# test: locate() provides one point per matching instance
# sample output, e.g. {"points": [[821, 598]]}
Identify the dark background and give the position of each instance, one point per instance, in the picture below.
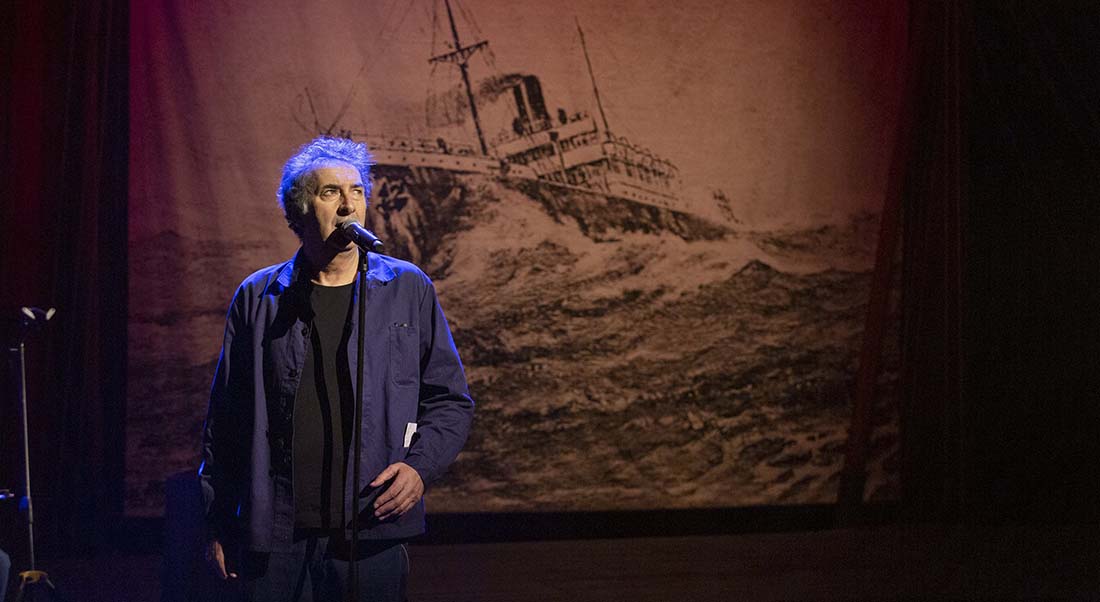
{"points": [[1000, 179]]}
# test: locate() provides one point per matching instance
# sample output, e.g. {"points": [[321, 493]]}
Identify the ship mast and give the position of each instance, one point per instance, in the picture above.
{"points": [[461, 56], [592, 76]]}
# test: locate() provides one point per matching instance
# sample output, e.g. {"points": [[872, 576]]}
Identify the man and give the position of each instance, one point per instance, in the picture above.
{"points": [[5, 567], [277, 458]]}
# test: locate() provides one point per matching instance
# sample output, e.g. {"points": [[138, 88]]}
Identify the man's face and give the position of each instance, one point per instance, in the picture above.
{"points": [[337, 195]]}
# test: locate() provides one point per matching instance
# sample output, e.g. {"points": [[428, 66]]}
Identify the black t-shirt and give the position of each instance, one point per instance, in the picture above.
{"points": [[323, 413]]}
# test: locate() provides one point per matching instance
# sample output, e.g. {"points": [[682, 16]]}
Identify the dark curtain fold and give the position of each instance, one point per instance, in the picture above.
{"points": [[64, 245], [999, 416], [1032, 263], [877, 322], [932, 250]]}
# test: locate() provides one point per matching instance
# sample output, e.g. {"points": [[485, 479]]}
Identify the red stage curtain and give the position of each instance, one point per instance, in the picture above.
{"points": [[63, 245]]}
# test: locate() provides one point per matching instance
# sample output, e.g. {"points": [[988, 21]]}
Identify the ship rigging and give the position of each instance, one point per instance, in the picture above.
{"points": [[570, 150]]}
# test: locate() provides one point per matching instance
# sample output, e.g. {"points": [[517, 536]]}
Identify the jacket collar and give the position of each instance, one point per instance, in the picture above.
{"points": [[289, 275]]}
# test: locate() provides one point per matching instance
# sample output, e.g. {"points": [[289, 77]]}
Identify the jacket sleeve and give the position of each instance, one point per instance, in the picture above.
{"points": [[445, 407], [222, 440]]}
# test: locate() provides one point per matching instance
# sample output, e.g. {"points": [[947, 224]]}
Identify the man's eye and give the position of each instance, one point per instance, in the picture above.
{"points": [[357, 192], [329, 193]]}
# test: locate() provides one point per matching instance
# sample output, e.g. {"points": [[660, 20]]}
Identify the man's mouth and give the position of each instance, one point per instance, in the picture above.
{"points": [[337, 239]]}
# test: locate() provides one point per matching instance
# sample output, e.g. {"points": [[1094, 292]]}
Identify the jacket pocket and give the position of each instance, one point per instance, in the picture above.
{"points": [[404, 358]]}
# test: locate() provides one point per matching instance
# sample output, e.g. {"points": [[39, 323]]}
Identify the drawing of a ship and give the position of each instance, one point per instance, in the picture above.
{"points": [[573, 150]]}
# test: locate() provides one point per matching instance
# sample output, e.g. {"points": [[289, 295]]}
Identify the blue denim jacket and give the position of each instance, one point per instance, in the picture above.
{"points": [[412, 379]]}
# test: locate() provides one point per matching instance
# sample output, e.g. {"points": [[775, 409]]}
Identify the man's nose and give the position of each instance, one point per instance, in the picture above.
{"points": [[346, 204]]}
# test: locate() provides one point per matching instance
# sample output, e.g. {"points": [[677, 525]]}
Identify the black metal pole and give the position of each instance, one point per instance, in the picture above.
{"points": [[27, 501], [357, 421], [31, 579]]}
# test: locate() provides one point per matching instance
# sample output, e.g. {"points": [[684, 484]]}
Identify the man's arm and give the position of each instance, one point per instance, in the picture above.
{"points": [[220, 435], [446, 408], [443, 416]]}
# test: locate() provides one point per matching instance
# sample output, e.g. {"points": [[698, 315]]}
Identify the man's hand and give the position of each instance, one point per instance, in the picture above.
{"points": [[403, 493], [215, 558]]}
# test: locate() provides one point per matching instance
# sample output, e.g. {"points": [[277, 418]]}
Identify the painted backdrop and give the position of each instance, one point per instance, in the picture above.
{"points": [[658, 296]]}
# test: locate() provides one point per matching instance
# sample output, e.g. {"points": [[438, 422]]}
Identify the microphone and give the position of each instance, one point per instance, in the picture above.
{"points": [[361, 236]]}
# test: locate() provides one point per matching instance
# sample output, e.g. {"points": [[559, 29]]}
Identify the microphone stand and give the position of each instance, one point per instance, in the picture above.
{"points": [[357, 426]]}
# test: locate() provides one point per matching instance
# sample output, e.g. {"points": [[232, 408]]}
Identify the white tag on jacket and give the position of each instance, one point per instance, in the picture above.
{"points": [[410, 430]]}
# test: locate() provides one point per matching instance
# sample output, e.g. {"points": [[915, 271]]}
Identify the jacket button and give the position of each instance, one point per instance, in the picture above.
{"points": [[305, 330], [293, 372]]}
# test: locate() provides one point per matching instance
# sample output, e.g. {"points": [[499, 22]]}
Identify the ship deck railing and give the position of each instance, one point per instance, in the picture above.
{"points": [[419, 145]]}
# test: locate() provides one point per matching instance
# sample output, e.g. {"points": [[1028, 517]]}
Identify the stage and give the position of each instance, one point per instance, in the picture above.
{"points": [[925, 562]]}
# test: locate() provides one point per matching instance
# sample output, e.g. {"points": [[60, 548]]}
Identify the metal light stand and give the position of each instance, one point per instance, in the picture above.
{"points": [[32, 581]]}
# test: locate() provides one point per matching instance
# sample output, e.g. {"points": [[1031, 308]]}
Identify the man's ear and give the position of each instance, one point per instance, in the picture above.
{"points": [[294, 222]]}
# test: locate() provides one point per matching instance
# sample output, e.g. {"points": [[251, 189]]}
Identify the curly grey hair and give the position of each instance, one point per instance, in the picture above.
{"points": [[298, 181]]}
